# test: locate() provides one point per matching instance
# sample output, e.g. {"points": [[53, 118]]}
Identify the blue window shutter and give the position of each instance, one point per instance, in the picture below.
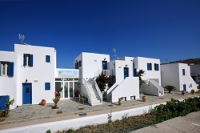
{"points": [[47, 58], [11, 69], [31, 60], [183, 71], [135, 72], [158, 67], [24, 60], [0, 68], [47, 86]]}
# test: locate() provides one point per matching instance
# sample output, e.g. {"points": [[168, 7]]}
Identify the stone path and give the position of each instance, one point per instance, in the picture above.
{"points": [[186, 124], [69, 109]]}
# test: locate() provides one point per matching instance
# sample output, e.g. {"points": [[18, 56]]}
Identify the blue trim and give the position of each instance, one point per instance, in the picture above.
{"points": [[125, 72], [0, 68], [79, 63], [149, 66], [104, 65], [31, 60], [24, 61], [135, 72], [11, 69], [156, 67], [27, 93], [47, 58], [183, 71], [184, 87], [47, 86], [3, 100]]}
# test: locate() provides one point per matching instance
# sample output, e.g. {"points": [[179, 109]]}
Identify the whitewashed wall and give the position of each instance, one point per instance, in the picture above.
{"points": [[141, 63], [119, 69], [40, 73], [8, 84], [170, 75], [127, 88], [92, 64], [186, 79]]}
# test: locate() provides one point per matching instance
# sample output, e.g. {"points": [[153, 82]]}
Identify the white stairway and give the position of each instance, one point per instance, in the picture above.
{"points": [[95, 100]]}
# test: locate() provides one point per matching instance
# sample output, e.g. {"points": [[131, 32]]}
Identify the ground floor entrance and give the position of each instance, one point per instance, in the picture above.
{"points": [[67, 87], [27, 93]]}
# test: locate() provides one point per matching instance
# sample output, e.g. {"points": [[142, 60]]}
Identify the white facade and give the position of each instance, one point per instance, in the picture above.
{"points": [[36, 74], [177, 75]]}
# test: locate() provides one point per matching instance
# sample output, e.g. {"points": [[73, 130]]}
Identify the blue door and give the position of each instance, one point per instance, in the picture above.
{"points": [[125, 72], [27, 93], [184, 87], [3, 100]]}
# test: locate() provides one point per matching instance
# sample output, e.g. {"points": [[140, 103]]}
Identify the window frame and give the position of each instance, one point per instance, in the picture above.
{"points": [[48, 59], [47, 86], [149, 66], [27, 60], [183, 72]]}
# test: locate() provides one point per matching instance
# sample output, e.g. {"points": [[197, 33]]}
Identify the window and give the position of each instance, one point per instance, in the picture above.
{"points": [[47, 58], [28, 60], [76, 65], [156, 67], [7, 69], [79, 63], [149, 66], [183, 71], [104, 65], [47, 86]]}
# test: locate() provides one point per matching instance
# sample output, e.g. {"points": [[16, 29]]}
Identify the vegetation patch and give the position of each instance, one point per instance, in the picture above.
{"points": [[160, 113]]}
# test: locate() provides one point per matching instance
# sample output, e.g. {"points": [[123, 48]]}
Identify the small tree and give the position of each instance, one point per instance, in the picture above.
{"points": [[170, 88], [102, 80], [140, 74]]}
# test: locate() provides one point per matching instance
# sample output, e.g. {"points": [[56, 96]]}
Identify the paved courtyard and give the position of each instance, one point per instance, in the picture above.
{"points": [[69, 109]]}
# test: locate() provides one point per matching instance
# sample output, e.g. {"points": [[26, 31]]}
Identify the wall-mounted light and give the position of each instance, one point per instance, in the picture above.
{"points": [[104, 58], [126, 65], [26, 80]]}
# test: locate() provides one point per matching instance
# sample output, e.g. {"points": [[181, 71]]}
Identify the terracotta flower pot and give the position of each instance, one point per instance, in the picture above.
{"points": [[43, 102], [144, 98], [120, 101], [182, 92], [192, 92]]}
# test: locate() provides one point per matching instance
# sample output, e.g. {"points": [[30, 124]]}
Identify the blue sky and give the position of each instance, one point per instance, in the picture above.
{"points": [[164, 29]]}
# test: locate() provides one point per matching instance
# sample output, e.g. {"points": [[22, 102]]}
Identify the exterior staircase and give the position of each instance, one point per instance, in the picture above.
{"points": [[94, 97]]}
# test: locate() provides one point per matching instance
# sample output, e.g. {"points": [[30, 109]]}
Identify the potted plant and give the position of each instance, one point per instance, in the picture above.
{"points": [[169, 88], [192, 92], [55, 100], [7, 105], [183, 92], [144, 98], [120, 101], [43, 102]]}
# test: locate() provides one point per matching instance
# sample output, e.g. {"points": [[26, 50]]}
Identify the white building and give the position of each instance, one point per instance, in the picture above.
{"points": [[178, 75], [27, 74], [91, 65]]}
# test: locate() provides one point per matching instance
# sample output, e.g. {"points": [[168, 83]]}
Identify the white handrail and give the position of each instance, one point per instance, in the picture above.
{"points": [[87, 90], [98, 90]]}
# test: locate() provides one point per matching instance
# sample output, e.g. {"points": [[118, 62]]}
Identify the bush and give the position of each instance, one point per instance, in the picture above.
{"points": [[173, 108]]}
